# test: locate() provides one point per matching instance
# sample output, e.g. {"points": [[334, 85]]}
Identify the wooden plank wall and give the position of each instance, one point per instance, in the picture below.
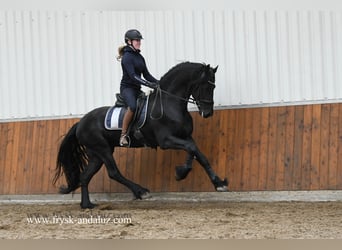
{"points": [[273, 148]]}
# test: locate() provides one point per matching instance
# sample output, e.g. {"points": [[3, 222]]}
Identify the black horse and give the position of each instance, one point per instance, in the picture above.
{"points": [[88, 144]]}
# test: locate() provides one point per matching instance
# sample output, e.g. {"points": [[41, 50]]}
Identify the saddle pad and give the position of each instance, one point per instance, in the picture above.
{"points": [[114, 116]]}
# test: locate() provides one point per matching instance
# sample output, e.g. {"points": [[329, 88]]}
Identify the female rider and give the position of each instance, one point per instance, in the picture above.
{"points": [[133, 66]]}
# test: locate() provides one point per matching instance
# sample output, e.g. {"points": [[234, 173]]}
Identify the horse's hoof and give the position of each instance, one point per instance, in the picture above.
{"points": [[222, 189], [181, 172], [178, 178], [88, 206], [220, 186], [146, 195]]}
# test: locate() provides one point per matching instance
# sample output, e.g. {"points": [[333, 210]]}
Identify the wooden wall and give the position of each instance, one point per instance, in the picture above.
{"points": [[273, 148]]}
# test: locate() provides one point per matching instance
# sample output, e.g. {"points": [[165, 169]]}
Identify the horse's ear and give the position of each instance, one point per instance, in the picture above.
{"points": [[208, 68], [215, 69]]}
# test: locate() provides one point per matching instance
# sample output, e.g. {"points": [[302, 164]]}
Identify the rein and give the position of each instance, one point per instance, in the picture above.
{"points": [[190, 100], [159, 96]]}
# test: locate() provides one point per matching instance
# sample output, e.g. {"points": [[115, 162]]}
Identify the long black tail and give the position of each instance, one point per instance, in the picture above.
{"points": [[71, 160]]}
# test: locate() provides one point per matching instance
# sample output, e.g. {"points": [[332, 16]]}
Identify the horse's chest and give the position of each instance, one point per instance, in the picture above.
{"points": [[182, 125]]}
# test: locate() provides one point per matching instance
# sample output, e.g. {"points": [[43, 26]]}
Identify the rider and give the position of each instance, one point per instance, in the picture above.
{"points": [[133, 66]]}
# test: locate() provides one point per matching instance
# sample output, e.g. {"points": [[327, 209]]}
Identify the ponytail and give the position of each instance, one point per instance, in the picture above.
{"points": [[120, 52]]}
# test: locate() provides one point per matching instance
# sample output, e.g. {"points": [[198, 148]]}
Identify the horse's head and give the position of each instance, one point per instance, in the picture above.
{"points": [[203, 91], [191, 79]]}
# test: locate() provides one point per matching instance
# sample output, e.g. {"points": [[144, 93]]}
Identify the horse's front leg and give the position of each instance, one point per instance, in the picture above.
{"points": [[190, 146], [183, 171], [220, 185]]}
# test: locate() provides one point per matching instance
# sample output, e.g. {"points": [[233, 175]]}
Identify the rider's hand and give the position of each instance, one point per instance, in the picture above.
{"points": [[153, 85]]}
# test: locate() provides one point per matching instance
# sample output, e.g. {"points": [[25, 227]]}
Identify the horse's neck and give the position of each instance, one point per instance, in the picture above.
{"points": [[178, 87]]}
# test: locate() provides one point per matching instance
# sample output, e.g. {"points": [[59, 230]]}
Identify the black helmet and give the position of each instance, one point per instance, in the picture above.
{"points": [[133, 35]]}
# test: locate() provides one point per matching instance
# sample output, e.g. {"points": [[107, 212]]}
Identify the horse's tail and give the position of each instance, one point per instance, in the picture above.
{"points": [[71, 160]]}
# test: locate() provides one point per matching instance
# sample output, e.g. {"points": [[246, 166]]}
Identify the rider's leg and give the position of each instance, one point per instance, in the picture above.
{"points": [[130, 96], [126, 121]]}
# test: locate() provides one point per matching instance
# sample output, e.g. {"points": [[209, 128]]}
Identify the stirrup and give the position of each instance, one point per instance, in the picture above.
{"points": [[124, 140]]}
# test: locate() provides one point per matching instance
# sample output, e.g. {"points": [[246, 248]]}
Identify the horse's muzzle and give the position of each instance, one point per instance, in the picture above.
{"points": [[205, 108], [206, 114]]}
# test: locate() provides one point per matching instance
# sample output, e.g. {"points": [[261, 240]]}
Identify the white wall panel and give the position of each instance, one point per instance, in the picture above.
{"points": [[61, 63]]}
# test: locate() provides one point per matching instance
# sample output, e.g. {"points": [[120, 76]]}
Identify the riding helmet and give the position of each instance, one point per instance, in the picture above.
{"points": [[133, 34]]}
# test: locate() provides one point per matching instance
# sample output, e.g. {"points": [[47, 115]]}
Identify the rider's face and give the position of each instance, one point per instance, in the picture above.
{"points": [[136, 44]]}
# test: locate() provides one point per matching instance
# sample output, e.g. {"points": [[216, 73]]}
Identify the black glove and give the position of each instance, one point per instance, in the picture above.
{"points": [[152, 85]]}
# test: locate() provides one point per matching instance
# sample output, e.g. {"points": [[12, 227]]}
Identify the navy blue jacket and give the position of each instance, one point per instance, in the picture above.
{"points": [[133, 66]]}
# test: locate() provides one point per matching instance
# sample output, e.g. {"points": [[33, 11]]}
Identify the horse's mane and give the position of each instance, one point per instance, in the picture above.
{"points": [[179, 68]]}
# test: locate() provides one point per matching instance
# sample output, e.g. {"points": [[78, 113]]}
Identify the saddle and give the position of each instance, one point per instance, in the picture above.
{"points": [[115, 114]]}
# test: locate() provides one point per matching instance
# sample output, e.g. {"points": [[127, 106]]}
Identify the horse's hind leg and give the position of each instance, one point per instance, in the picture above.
{"points": [[114, 173], [92, 168], [183, 171]]}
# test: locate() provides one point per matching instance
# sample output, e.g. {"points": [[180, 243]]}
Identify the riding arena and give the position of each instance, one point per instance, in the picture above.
{"points": [[240, 139]]}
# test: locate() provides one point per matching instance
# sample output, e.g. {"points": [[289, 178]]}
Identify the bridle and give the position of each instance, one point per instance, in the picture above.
{"points": [[203, 100], [191, 100]]}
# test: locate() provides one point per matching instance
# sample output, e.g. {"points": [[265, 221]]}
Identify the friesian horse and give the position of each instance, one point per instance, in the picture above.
{"points": [[88, 144]]}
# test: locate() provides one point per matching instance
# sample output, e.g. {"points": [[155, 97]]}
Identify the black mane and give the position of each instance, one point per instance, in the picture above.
{"points": [[179, 70]]}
